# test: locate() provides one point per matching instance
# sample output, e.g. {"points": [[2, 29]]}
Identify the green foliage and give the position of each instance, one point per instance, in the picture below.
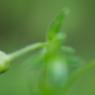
{"points": [[56, 62], [55, 27]]}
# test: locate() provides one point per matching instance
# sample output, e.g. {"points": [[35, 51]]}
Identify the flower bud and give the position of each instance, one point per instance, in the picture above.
{"points": [[4, 62]]}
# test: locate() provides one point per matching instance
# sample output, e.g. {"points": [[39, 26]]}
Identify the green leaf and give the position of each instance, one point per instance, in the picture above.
{"points": [[68, 50], [56, 26]]}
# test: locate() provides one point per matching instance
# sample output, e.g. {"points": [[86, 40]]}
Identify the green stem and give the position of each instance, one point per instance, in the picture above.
{"points": [[26, 50]]}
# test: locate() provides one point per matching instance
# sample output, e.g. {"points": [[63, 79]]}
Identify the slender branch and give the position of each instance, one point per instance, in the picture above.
{"points": [[26, 50]]}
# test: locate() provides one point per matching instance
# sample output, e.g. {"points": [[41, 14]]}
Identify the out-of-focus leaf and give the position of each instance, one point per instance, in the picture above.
{"points": [[55, 27], [82, 82]]}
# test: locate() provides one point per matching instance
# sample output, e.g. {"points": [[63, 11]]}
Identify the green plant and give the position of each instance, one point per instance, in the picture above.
{"points": [[58, 61]]}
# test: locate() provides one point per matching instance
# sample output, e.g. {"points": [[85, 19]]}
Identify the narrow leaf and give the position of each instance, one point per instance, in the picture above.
{"points": [[56, 26]]}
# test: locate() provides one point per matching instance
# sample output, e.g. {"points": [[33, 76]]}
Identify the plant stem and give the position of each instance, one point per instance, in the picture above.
{"points": [[26, 50]]}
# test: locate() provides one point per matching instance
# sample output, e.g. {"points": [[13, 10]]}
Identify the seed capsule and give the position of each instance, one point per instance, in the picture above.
{"points": [[58, 70]]}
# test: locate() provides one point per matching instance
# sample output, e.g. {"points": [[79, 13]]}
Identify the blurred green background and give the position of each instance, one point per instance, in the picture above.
{"points": [[23, 22]]}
